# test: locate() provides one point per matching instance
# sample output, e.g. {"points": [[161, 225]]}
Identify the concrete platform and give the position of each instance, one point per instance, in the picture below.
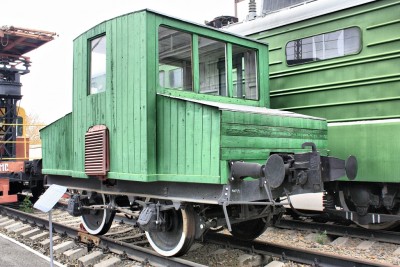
{"points": [[14, 254]]}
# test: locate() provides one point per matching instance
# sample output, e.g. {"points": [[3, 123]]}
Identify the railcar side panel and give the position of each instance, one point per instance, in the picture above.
{"points": [[375, 139], [57, 146], [251, 136], [361, 86], [188, 141], [123, 107]]}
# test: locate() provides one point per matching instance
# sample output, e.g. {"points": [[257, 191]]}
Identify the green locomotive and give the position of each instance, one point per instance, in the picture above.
{"points": [[171, 125], [340, 60]]}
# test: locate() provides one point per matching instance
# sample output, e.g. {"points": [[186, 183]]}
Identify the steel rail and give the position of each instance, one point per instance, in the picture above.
{"points": [[133, 252], [299, 255], [341, 230]]}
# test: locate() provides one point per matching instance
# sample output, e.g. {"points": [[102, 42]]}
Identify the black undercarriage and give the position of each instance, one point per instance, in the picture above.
{"points": [[366, 203], [173, 214]]}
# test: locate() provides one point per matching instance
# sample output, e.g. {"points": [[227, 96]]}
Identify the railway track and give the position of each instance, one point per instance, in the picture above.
{"points": [[341, 230], [125, 245], [84, 249], [290, 253]]}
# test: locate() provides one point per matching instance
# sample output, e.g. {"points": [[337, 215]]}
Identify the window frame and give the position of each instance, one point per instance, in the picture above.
{"points": [[225, 61], [256, 72], [192, 47], [89, 64], [323, 33], [195, 70]]}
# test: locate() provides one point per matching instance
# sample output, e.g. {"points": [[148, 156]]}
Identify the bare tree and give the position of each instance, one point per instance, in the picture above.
{"points": [[33, 124]]}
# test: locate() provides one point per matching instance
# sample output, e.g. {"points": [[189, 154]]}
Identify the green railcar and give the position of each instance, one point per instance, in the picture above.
{"points": [[171, 119], [340, 60]]}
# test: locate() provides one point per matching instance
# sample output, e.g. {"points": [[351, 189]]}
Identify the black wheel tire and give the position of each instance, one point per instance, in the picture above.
{"points": [[249, 230], [180, 235], [98, 222]]}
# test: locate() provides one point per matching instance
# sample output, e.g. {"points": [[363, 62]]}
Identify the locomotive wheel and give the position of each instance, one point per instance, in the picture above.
{"points": [[380, 226], [249, 230], [179, 234], [98, 222], [372, 226]]}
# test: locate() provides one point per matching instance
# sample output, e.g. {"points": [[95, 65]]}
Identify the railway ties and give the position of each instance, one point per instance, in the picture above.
{"points": [[291, 253], [338, 230], [113, 246], [69, 246], [65, 249]]}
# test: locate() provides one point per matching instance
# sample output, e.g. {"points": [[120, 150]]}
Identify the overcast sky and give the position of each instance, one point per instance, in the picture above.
{"points": [[47, 89]]}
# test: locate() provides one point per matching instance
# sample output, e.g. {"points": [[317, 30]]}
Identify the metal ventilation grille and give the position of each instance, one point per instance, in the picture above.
{"points": [[97, 151]]}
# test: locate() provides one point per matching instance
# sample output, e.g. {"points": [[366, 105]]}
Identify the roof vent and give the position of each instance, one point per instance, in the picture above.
{"points": [[97, 151]]}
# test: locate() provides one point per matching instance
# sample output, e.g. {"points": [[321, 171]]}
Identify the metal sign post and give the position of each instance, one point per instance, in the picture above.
{"points": [[46, 203]]}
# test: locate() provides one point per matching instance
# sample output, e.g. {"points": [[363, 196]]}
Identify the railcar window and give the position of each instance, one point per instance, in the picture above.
{"points": [[98, 65], [324, 46], [212, 67], [175, 59], [244, 63]]}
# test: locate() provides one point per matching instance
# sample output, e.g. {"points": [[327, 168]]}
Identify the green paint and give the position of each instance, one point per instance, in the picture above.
{"points": [[359, 87], [57, 146], [373, 144], [159, 134]]}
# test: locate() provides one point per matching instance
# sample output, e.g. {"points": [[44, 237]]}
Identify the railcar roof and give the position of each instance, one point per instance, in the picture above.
{"points": [[291, 15], [248, 109], [182, 20]]}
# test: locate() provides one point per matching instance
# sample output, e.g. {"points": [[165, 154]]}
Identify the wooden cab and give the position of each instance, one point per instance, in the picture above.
{"points": [[178, 100]]}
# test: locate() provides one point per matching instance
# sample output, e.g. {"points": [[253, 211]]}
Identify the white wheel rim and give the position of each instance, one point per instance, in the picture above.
{"points": [[98, 230], [167, 253], [178, 247]]}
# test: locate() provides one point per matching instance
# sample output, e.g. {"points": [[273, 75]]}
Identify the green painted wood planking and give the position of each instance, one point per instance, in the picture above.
{"points": [[273, 120], [189, 116], [184, 139], [57, 144], [230, 129], [162, 138]]}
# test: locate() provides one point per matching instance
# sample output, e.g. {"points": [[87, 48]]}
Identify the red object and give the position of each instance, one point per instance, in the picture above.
{"points": [[5, 187], [22, 148]]}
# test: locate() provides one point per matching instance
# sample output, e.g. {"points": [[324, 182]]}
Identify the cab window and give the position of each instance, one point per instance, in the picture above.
{"points": [[98, 65], [244, 72], [175, 69], [212, 67], [175, 59]]}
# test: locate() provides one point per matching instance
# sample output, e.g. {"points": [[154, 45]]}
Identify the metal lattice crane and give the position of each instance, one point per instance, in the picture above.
{"points": [[15, 42]]}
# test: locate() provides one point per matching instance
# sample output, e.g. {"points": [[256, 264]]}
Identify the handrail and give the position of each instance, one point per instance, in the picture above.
{"points": [[23, 143]]}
